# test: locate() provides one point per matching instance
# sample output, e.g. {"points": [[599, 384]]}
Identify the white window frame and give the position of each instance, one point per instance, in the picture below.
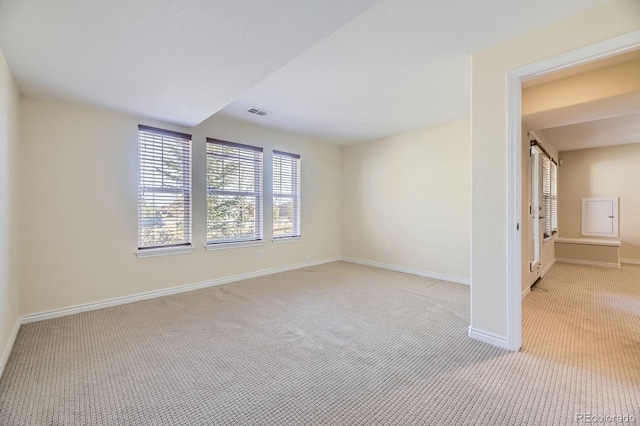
{"points": [[294, 195], [257, 165], [150, 139], [536, 207], [554, 197], [546, 196]]}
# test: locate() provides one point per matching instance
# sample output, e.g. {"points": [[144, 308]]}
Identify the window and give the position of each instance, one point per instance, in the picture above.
{"points": [[536, 206], [549, 196], [286, 195], [164, 188], [234, 192], [554, 197]]}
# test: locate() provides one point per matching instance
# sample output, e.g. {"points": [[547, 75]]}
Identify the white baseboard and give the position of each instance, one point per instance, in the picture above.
{"points": [[589, 263], [7, 350], [486, 337], [544, 272], [548, 267], [630, 261], [71, 310], [419, 272]]}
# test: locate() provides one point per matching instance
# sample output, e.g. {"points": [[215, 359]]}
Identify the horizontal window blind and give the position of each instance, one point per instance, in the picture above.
{"points": [[286, 195], [546, 195], [164, 188], [234, 192], [554, 197]]}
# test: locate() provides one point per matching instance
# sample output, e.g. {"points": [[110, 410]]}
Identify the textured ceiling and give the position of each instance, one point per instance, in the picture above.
{"points": [[177, 61], [400, 66], [344, 70]]}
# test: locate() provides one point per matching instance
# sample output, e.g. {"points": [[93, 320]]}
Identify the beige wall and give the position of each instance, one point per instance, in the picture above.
{"points": [[547, 250], [591, 253], [602, 172], [410, 191], [615, 80], [79, 204], [9, 190], [489, 309]]}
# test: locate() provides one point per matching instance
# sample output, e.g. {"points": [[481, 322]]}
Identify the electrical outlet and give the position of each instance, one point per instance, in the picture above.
{"points": [[386, 250], [412, 253], [13, 302], [259, 253], [308, 258]]}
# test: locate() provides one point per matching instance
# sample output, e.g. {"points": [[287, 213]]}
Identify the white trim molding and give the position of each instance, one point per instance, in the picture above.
{"points": [[419, 272], [589, 241], [589, 263], [7, 350], [514, 214], [490, 338], [286, 240], [163, 251], [526, 292], [71, 310], [232, 245], [548, 267], [630, 261]]}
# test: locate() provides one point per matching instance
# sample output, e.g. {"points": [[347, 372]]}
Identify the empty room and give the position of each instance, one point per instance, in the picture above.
{"points": [[580, 210], [287, 213]]}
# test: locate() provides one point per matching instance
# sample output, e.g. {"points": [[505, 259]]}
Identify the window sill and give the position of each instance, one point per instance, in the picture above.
{"points": [[163, 251], [286, 240], [590, 241], [238, 244]]}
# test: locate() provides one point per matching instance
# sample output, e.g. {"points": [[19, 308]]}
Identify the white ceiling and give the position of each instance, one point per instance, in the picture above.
{"points": [[400, 66], [615, 106], [177, 61], [345, 70], [618, 130]]}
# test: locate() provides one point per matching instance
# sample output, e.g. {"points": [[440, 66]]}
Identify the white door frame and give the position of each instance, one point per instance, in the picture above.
{"points": [[606, 48]]}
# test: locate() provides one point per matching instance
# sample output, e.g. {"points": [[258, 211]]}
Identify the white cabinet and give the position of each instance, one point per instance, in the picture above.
{"points": [[600, 217]]}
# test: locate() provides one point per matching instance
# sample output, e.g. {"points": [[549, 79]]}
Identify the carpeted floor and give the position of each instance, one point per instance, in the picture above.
{"points": [[337, 344]]}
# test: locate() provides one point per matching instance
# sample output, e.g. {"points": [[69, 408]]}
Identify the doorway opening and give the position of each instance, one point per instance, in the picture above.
{"points": [[518, 258]]}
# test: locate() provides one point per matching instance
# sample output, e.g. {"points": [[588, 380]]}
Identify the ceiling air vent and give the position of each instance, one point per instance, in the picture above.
{"points": [[257, 111]]}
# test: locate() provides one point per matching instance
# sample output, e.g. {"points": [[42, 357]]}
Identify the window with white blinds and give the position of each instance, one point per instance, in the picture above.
{"points": [[549, 196], [286, 195], [234, 192], [164, 188], [554, 197]]}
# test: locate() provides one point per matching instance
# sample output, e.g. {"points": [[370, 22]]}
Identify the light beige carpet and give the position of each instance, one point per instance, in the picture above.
{"points": [[333, 344]]}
